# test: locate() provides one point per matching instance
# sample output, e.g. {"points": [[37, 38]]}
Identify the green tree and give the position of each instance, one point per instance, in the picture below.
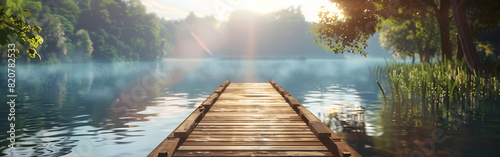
{"points": [[16, 29], [410, 37], [350, 33]]}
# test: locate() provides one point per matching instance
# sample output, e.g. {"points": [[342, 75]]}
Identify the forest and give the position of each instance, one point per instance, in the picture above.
{"points": [[83, 30]]}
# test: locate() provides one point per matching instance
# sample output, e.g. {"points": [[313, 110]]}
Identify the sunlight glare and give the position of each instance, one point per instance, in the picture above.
{"points": [[332, 10]]}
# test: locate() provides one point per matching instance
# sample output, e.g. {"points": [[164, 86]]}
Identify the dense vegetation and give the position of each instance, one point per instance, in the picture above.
{"points": [[410, 27], [445, 89], [84, 30]]}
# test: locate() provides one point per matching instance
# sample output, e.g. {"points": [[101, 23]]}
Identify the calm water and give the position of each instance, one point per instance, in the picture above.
{"points": [[128, 109]]}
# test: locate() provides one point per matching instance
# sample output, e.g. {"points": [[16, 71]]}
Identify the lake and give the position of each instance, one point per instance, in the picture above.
{"points": [[127, 109]]}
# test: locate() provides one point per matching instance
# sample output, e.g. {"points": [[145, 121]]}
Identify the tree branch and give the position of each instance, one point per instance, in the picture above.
{"points": [[11, 25], [432, 4]]}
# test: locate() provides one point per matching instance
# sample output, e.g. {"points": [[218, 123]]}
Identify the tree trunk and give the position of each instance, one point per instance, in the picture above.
{"points": [[460, 52], [465, 36], [444, 29], [413, 58], [426, 54]]}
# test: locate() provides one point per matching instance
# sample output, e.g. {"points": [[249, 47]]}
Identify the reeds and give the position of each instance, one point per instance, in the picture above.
{"points": [[445, 89]]}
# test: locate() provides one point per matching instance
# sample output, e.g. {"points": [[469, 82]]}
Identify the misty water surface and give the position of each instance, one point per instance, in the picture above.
{"points": [[127, 109]]}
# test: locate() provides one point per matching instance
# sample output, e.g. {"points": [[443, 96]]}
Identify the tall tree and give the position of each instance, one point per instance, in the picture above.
{"points": [[484, 15]]}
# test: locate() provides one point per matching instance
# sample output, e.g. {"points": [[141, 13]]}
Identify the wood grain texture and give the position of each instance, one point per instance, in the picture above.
{"points": [[253, 153], [299, 148]]}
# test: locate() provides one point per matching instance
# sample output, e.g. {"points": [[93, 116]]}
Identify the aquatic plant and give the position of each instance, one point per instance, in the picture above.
{"points": [[428, 90]]}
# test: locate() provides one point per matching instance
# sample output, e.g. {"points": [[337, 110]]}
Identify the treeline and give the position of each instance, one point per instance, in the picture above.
{"points": [[281, 34], [94, 30]]}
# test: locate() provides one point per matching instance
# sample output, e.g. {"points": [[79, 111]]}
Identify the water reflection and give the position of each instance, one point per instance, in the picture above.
{"points": [[97, 109]]}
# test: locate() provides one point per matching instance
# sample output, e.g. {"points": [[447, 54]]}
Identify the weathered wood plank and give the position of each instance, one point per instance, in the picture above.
{"points": [[210, 100], [257, 138], [295, 148], [250, 133], [250, 121], [253, 143], [252, 124], [166, 148], [252, 127], [247, 109], [254, 136], [261, 101], [243, 97], [254, 130], [320, 130], [226, 83], [253, 153]]}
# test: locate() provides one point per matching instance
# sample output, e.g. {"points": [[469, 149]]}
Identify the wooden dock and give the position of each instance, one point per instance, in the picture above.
{"points": [[252, 119]]}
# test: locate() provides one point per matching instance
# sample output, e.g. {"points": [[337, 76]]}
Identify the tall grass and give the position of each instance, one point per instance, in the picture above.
{"points": [[446, 89]]}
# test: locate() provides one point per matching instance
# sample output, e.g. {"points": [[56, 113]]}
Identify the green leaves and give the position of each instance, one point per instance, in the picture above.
{"points": [[16, 29], [32, 52], [37, 29], [345, 26], [26, 13]]}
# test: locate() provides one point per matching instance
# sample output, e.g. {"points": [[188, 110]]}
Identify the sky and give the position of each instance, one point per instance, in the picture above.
{"points": [[220, 9]]}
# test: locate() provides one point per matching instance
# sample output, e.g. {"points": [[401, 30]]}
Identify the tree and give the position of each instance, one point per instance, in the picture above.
{"points": [[16, 29], [410, 37], [484, 15], [362, 16]]}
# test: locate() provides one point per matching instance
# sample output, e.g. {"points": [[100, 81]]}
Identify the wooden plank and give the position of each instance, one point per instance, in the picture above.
{"points": [[225, 148], [259, 135], [253, 143], [306, 114], [250, 115], [253, 153], [250, 133], [320, 130], [250, 121], [251, 127], [210, 100], [245, 90], [213, 118], [252, 124], [261, 101], [269, 112], [254, 130], [248, 109], [226, 83], [256, 138], [166, 148], [242, 97], [219, 90], [188, 125]]}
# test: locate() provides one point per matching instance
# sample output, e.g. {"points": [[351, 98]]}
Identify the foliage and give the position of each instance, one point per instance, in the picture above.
{"points": [[408, 38], [16, 29], [348, 31], [102, 31], [425, 89]]}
